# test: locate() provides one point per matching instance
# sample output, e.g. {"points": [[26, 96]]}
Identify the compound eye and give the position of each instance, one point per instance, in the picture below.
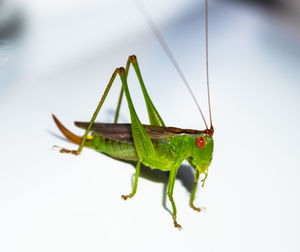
{"points": [[200, 142]]}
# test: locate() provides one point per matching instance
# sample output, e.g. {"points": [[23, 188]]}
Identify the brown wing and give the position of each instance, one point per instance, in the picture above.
{"points": [[122, 131]]}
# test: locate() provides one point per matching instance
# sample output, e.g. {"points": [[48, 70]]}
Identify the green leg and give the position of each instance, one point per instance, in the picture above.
{"points": [[172, 178], [203, 180], [119, 105], [136, 177], [197, 174], [121, 93], [144, 146], [154, 117], [78, 151], [142, 141]]}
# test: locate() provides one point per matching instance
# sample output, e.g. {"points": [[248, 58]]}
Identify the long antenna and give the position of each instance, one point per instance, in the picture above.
{"points": [[167, 50], [206, 50]]}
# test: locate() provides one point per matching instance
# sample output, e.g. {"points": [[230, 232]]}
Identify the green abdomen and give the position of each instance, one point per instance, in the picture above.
{"points": [[167, 149], [117, 149]]}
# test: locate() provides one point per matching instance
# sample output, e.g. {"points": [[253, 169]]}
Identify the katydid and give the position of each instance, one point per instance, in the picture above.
{"points": [[154, 145]]}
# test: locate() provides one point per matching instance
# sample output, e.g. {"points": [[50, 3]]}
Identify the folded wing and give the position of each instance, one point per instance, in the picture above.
{"points": [[122, 131]]}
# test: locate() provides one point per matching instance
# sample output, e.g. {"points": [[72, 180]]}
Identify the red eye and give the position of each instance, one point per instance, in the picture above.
{"points": [[200, 142]]}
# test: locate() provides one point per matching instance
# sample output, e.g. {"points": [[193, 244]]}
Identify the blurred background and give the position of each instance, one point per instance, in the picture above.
{"points": [[57, 57]]}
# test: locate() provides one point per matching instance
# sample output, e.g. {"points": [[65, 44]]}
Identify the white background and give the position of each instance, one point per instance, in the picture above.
{"points": [[60, 62]]}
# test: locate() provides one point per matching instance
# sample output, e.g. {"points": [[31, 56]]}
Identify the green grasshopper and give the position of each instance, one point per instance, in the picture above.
{"points": [[154, 145]]}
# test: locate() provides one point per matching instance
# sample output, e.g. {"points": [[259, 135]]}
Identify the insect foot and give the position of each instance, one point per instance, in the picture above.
{"points": [[177, 225], [175, 222], [74, 152], [198, 209], [125, 197], [63, 150]]}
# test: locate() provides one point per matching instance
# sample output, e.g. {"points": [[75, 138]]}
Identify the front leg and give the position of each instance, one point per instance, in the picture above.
{"points": [[197, 174]]}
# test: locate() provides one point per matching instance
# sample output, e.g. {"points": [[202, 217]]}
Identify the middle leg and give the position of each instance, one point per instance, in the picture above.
{"points": [[172, 178], [136, 177]]}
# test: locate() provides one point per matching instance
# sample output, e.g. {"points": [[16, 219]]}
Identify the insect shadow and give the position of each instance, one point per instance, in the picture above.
{"points": [[57, 136], [185, 175]]}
